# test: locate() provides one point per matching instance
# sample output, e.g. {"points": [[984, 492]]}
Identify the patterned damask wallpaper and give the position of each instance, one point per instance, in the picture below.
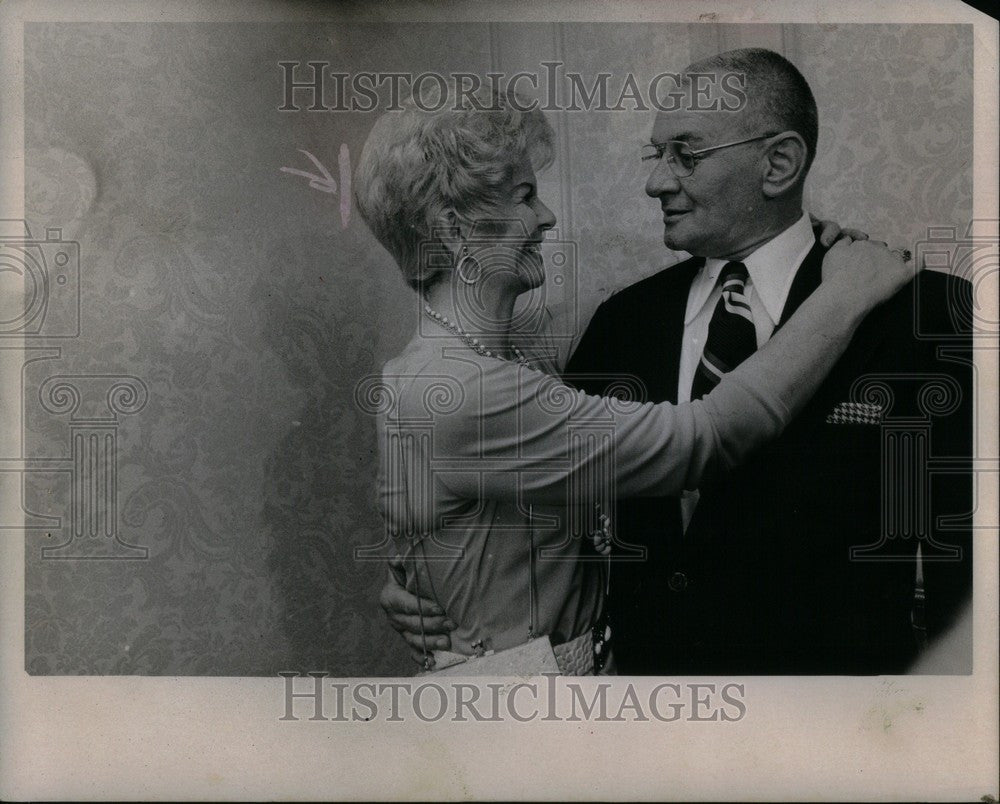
{"points": [[227, 309]]}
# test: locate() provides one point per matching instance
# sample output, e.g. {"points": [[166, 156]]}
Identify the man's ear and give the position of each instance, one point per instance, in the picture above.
{"points": [[785, 163]]}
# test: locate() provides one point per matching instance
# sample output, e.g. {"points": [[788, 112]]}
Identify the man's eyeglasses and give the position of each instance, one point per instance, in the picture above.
{"points": [[682, 158]]}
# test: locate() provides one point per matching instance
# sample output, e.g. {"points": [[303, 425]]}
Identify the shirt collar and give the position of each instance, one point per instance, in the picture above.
{"points": [[772, 268]]}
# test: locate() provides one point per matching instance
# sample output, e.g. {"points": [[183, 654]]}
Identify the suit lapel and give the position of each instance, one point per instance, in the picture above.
{"points": [[807, 279], [662, 346]]}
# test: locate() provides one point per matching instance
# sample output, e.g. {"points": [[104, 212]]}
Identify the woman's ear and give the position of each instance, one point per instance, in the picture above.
{"points": [[448, 229], [785, 164]]}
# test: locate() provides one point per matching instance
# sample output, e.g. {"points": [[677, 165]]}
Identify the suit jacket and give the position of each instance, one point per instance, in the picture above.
{"points": [[803, 560]]}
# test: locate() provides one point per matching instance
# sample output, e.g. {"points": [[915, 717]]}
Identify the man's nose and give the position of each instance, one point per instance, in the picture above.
{"points": [[662, 180]]}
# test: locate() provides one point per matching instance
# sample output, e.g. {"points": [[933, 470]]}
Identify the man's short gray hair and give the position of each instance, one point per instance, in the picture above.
{"points": [[778, 96], [417, 164]]}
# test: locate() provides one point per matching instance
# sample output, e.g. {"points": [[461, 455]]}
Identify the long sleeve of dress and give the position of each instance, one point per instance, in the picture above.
{"points": [[495, 430]]}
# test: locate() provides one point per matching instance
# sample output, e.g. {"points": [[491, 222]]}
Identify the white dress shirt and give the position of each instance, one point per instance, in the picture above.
{"points": [[771, 269]]}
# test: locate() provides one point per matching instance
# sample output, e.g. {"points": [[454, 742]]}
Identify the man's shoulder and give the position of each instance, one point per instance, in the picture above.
{"points": [[938, 303], [905, 333], [943, 284], [653, 289]]}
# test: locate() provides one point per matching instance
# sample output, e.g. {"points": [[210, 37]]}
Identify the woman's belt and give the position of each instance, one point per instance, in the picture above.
{"points": [[535, 657]]}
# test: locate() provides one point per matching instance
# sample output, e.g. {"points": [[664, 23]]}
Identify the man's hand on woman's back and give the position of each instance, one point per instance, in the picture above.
{"points": [[403, 611]]}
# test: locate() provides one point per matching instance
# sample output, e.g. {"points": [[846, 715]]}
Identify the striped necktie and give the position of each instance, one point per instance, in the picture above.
{"points": [[732, 337]]}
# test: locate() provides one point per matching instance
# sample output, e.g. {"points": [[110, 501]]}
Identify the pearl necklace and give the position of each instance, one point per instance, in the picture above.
{"points": [[472, 343]]}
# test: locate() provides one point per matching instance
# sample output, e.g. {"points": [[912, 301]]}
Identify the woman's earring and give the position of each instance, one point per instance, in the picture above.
{"points": [[463, 262]]}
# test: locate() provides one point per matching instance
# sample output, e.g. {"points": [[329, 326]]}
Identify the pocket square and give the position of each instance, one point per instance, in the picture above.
{"points": [[855, 413]]}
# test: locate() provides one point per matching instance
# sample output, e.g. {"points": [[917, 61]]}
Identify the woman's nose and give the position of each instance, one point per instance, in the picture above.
{"points": [[546, 218]]}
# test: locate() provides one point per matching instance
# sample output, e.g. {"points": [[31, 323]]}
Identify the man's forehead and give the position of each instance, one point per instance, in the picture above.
{"points": [[691, 126]]}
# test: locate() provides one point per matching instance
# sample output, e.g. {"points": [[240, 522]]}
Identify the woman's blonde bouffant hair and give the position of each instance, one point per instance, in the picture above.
{"points": [[417, 164]]}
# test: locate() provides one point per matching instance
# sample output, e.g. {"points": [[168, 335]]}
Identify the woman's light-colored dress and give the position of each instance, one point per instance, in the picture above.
{"points": [[483, 459]]}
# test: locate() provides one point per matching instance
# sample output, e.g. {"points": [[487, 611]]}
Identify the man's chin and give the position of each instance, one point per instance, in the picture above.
{"points": [[671, 241], [673, 236]]}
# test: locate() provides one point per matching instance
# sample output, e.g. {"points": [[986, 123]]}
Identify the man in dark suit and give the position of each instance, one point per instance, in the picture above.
{"points": [[804, 560], [844, 545]]}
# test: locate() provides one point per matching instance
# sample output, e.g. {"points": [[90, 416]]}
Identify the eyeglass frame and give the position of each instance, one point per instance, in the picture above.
{"points": [[698, 155]]}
